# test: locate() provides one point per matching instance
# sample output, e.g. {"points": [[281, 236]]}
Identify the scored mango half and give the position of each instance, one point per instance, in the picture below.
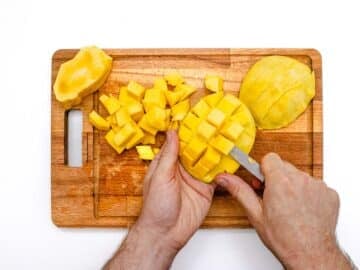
{"points": [[277, 89], [210, 130], [81, 76]]}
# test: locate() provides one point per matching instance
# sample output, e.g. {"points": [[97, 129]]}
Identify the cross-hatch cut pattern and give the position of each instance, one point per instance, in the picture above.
{"points": [[209, 132]]}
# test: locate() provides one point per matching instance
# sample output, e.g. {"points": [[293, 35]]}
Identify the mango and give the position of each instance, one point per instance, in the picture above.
{"points": [[110, 103], [148, 138], [214, 83], [109, 137], [81, 76], [179, 111], [174, 79], [173, 97], [277, 89], [136, 90], [208, 133], [124, 134], [157, 118], [145, 152], [185, 90], [154, 97], [160, 84], [97, 121]]}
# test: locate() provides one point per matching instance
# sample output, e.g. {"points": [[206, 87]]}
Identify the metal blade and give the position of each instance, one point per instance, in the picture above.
{"points": [[247, 162]]}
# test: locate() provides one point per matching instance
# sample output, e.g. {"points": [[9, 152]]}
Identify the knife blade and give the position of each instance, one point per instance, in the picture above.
{"points": [[247, 162]]}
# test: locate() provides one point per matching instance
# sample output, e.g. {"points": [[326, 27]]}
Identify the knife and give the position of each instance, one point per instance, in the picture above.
{"points": [[247, 162]]}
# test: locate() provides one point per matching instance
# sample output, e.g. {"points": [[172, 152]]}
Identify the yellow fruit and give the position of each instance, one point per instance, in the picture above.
{"points": [[173, 97], [160, 83], [214, 83], [185, 90], [213, 99], [179, 111], [156, 150], [97, 121], [173, 125], [136, 138], [154, 97], [110, 103], [209, 132], [135, 109], [174, 78], [82, 75], [145, 152], [148, 138], [136, 90], [156, 118], [125, 98], [277, 89], [145, 125], [124, 134], [109, 137]]}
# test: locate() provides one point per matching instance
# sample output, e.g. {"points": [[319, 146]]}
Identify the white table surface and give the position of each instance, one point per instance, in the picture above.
{"points": [[30, 31]]}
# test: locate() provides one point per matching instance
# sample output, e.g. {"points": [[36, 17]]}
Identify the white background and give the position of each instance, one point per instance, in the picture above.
{"points": [[30, 31]]}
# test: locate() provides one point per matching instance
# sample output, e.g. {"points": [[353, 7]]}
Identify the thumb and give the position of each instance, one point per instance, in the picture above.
{"points": [[169, 153], [239, 189]]}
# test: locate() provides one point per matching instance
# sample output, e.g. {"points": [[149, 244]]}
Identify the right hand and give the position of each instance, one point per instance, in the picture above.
{"points": [[296, 219]]}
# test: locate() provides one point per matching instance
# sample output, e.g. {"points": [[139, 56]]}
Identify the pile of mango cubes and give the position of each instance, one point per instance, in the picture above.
{"points": [[138, 114]]}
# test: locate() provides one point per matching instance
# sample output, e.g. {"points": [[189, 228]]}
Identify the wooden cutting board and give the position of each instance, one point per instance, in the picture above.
{"points": [[107, 189]]}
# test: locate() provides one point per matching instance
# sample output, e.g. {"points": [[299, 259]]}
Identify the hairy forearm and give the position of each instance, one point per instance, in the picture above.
{"points": [[141, 249]]}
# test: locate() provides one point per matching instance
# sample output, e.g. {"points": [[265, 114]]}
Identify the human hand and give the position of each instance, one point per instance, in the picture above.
{"points": [[296, 219], [174, 207]]}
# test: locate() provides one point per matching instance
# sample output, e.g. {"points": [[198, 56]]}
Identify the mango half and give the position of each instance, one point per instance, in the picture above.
{"points": [[81, 76], [277, 89], [210, 130]]}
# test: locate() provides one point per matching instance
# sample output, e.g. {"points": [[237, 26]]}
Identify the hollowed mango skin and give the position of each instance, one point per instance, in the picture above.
{"points": [[205, 138], [277, 89], [81, 76]]}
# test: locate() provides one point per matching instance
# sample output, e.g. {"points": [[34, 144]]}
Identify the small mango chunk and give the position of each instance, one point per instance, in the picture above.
{"points": [[122, 117], [173, 97], [206, 130], [210, 159], [179, 111], [227, 164], [157, 118], [124, 134], [156, 150], [135, 109], [136, 138], [136, 90], [112, 120], [174, 78], [154, 97], [185, 134], [228, 104], [185, 90], [222, 144], [160, 84], [148, 138], [145, 152], [191, 121], [97, 121], [195, 148], [124, 97], [216, 117], [214, 83], [145, 125], [109, 137], [110, 103], [232, 130]]}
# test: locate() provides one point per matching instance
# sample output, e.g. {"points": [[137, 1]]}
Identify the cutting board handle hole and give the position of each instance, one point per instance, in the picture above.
{"points": [[73, 138]]}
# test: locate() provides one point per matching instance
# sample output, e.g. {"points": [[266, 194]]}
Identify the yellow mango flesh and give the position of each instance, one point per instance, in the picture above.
{"points": [[145, 152], [277, 89], [209, 131], [214, 83], [82, 75], [98, 121]]}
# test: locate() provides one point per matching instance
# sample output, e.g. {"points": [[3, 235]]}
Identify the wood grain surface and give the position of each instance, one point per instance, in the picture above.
{"points": [[107, 190]]}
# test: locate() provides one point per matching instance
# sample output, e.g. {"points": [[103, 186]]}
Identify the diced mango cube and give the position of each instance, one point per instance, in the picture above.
{"points": [[154, 97], [174, 78], [135, 109], [195, 148], [227, 164], [206, 130], [122, 117], [173, 97], [210, 159], [124, 135], [222, 144], [136, 138], [144, 124], [145, 152], [213, 99], [124, 97], [136, 90], [110, 103], [156, 150], [200, 169], [191, 121], [228, 104], [112, 120], [148, 138], [214, 83], [179, 111], [160, 83], [185, 134], [185, 89], [156, 117], [201, 109], [98, 121], [109, 137], [216, 117], [232, 130]]}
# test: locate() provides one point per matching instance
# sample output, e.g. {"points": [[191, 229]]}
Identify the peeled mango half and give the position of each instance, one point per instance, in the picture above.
{"points": [[210, 130], [277, 89], [82, 75]]}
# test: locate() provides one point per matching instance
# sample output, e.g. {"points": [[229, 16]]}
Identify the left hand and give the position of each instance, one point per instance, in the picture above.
{"points": [[175, 204]]}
